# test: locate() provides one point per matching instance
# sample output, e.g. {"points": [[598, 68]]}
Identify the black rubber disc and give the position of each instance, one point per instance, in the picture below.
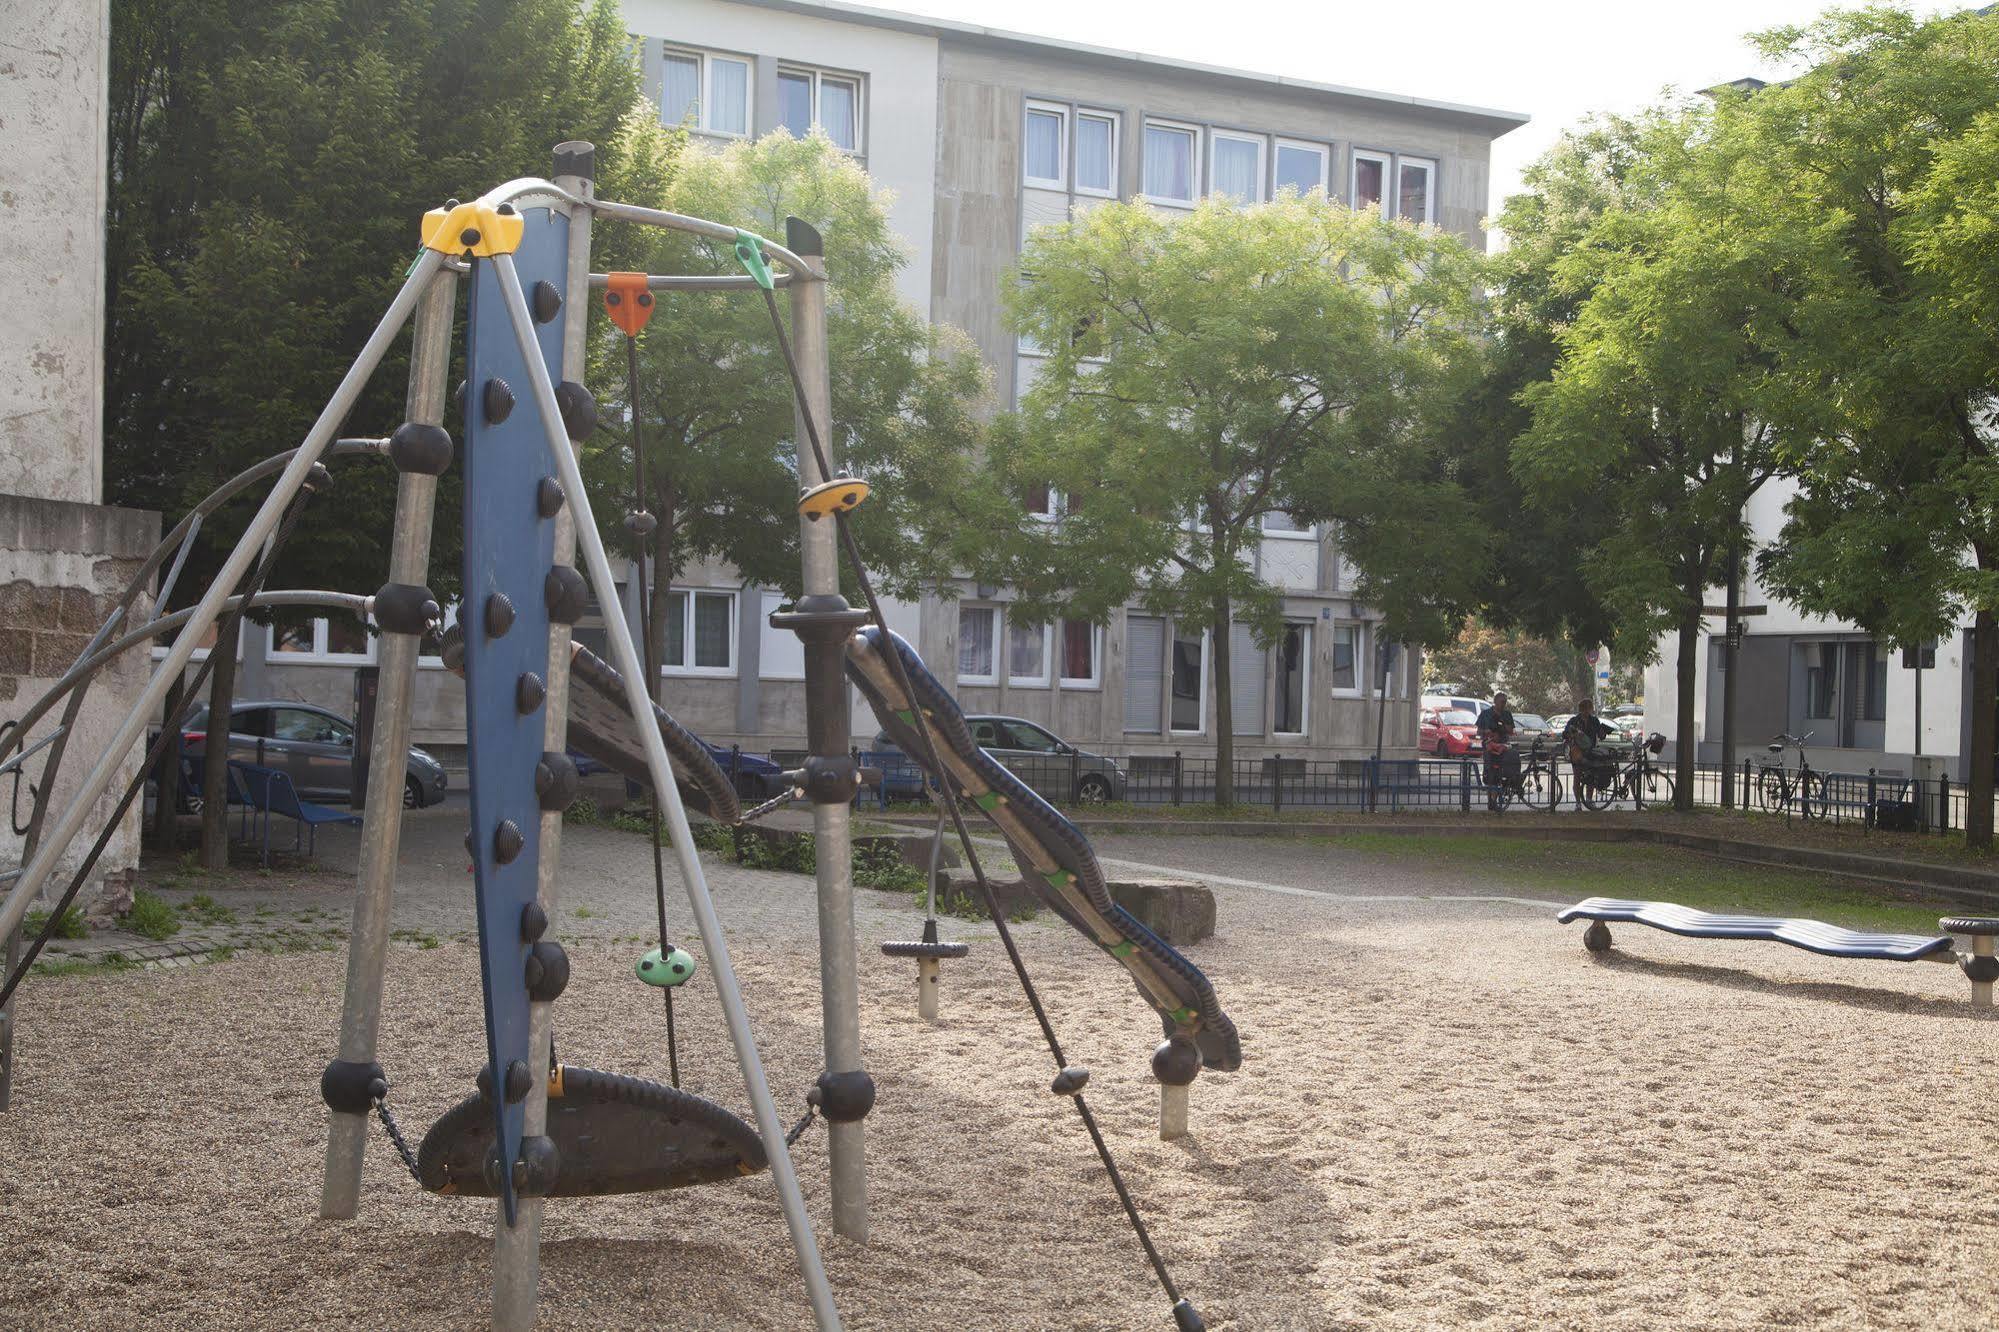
{"points": [[1969, 925], [918, 948]]}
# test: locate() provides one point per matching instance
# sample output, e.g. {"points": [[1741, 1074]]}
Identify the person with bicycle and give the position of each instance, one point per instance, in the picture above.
{"points": [[1580, 738], [1495, 734]]}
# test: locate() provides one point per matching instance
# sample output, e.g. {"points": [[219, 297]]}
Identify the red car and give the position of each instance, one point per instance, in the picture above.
{"points": [[1450, 733]]}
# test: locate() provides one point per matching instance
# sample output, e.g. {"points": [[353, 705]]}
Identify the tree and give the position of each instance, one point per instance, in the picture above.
{"points": [[1205, 372], [1655, 422], [1540, 675], [269, 160], [1879, 156], [715, 401]]}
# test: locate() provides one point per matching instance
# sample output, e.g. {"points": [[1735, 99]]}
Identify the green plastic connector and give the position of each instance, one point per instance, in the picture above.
{"points": [[750, 254], [908, 716], [1123, 948], [1183, 1015], [1062, 879], [674, 967], [989, 802]]}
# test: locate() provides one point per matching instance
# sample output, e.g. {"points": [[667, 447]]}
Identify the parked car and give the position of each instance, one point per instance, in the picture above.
{"points": [[1559, 722], [1456, 702], [1058, 771], [1629, 726], [1625, 710], [1531, 726], [309, 744], [1450, 732]]}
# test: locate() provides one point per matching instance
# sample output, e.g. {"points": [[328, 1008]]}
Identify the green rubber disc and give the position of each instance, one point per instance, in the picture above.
{"points": [[675, 967]]}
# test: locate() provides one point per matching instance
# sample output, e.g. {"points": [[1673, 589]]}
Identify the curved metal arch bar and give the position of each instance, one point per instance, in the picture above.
{"points": [[529, 191], [720, 282], [14, 734]]}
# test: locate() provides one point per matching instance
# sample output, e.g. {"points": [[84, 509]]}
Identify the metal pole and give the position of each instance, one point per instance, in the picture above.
{"points": [[382, 819], [1731, 620], [624, 656], [839, 979], [38, 869], [517, 1248]]}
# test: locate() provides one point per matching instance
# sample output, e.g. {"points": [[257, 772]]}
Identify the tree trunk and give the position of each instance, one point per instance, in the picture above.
{"points": [[1223, 640], [1685, 746], [1984, 725], [215, 761], [166, 806]]}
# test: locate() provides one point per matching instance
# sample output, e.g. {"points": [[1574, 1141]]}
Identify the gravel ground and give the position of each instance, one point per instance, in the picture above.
{"points": [[1448, 1116]]}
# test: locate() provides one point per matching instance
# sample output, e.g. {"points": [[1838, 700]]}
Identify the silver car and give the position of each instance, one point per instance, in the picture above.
{"points": [[312, 746], [1057, 771]]}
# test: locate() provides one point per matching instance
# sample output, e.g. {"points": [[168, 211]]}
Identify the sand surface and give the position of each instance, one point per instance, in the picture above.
{"points": [[1448, 1117]]}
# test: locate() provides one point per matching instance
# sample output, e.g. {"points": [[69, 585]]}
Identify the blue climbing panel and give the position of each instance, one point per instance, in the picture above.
{"points": [[509, 549]]}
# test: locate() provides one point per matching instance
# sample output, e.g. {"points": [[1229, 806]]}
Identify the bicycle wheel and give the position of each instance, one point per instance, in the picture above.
{"points": [[1811, 795], [1658, 786], [1592, 795], [1770, 791], [1540, 788]]}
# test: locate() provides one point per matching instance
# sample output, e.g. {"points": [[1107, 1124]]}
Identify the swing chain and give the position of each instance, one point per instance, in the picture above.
{"points": [[395, 1132], [798, 1129], [769, 806]]}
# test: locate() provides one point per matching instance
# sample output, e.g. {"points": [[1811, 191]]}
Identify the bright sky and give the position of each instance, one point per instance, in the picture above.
{"points": [[1556, 60]]}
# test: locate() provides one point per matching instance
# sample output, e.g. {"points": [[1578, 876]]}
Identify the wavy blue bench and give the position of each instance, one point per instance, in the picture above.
{"points": [[1815, 936]]}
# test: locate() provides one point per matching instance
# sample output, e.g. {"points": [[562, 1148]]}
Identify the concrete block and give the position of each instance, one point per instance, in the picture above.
{"points": [[960, 893], [1177, 910]]}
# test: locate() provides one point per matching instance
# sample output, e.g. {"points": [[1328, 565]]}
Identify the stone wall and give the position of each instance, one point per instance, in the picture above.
{"points": [[62, 566]]}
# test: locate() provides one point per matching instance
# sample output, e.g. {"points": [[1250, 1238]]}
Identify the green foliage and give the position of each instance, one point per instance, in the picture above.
{"points": [[152, 916], [793, 853], [880, 865], [205, 910], [1538, 675], [71, 925], [269, 160], [714, 837]]}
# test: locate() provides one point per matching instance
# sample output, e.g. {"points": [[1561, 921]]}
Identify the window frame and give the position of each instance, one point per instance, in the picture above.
{"points": [[1193, 131], [706, 58], [1322, 151], [1359, 688], [733, 596], [815, 78], [243, 627], [1095, 680], [319, 654], [1048, 515], [1114, 120], [1387, 163], [998, 644], [1309, 532], [1060, 180], [1304, 687], [1206, 674], [1429, 164], [1260, 142], [1006, 643]]}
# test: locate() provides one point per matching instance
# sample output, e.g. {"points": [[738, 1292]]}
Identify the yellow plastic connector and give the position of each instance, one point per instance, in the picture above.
{"points": [[840, 495], [480, 230]]}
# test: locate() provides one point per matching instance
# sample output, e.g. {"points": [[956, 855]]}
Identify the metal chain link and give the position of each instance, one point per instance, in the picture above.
{"points": [[395, 1133], [798, 1129], [775, 803]]}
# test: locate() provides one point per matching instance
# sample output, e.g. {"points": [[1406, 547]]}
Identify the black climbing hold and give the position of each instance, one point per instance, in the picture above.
{"points": [[529, 691], [420, 448], [499, 615], [505, 210], [1070, 1081], [546, 301], [556, 782], [498, 400], [844, 1098], [1177, 1062], [548, 497], [507, 842], [645, 300], [351, 1087], [450, 204], [566, 593], [534, 922], [579, 409], [612, 298], [451, 648], [520, 1080], [405, 608], [547, 971], [640, 523], [536, 1166], [469, 237], [317, 478]]}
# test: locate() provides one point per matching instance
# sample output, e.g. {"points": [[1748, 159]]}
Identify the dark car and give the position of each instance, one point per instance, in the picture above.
{"points": [[312, 746], [1058, 771]]}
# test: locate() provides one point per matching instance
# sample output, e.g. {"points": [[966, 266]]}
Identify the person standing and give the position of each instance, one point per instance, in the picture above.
{"points": [[1495, 734]]}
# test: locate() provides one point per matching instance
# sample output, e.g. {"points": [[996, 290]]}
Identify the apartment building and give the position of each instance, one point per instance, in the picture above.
{"points": [[981, 136]]}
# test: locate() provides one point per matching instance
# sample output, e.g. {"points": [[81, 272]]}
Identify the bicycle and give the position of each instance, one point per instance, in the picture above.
{"points": [[1777, 786], [1535, 785], [1603, 778]]}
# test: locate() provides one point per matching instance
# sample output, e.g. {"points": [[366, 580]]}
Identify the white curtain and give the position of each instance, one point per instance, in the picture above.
{"points": [[713, 629], [1169, 163], [975, 643], [730, 113], [1044, 145], [1026, 654], [681, 97], [1414, 187], [1093, 153], [1236, 162], [838, 112], [794, 103]]}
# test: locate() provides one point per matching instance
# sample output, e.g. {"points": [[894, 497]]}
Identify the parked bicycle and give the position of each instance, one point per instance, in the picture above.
{"points": [[1605, 777], [1777, 786], [1533, 783]]}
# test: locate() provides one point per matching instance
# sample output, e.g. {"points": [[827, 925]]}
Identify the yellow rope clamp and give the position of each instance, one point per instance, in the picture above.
{"points": [[475, 229], [840, 495]]}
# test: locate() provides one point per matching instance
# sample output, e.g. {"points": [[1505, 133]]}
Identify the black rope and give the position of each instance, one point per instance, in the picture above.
{"points": [[951, 799], [227, 628]]}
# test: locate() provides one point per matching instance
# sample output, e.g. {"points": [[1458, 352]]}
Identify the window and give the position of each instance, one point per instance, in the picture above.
{"points": [[809, 97], [309, 727], [1388, 667], [708, 620], [1821, 680], [1027, 736], [706, 91], [1079, 655], [340, 639], [1370, 179], [1300, 167], [1245, 682], [1875, 706], [976, 645], [1169, 162], [1415, 189], [1293, 675], [1279, 523], [1190, 672], [780, 652], [1346, 659], [1144, 672], [1096, 154], [1235, 166], [1045, 147], [1026, 655], [1040, 501]]}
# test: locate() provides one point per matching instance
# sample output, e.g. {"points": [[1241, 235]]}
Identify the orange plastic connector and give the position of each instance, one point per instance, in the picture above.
{"points": [[628, 300], [477, 229], [555, 1083]]}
